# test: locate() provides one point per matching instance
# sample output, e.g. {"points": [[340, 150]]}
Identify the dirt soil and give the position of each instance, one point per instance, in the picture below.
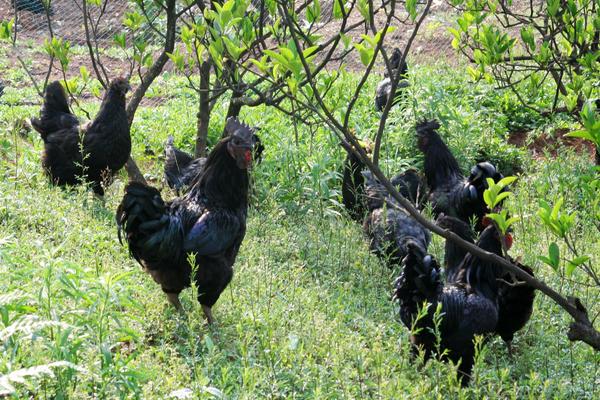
{"points": [[549, 143], [432, 43]]}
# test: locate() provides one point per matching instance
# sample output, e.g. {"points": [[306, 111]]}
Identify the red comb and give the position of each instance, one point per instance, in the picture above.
{"points": [[508, 240]]}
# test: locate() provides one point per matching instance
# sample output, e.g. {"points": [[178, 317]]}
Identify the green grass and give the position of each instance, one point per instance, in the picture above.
{"points": [[308, 313]]}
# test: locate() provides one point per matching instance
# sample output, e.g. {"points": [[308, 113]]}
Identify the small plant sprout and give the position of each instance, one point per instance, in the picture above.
{"points": [[561, 223], [493, 197]]}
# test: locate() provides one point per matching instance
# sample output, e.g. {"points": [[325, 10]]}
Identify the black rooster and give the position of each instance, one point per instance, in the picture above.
{"points": [[450, 192], [93, 152], [208, 222], [469, 305], [389, 226], [384, 88], [181, 168]]}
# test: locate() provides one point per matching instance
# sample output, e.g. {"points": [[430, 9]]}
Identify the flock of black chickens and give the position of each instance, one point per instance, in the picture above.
{"points": [[198, 234], [471, 296]]}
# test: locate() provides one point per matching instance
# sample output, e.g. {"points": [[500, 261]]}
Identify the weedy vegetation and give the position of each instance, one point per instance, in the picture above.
{"points": [[308, 313]]}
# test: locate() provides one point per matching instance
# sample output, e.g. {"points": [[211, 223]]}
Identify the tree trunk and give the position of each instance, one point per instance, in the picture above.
{"points": [[203, 110], [131, 167], [234, 109]]}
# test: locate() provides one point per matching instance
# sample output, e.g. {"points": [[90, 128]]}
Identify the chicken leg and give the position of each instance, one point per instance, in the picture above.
{"points": [[173, 298], [208, 312]]}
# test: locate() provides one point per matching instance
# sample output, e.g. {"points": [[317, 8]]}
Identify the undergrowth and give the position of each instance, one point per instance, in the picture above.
{"points": [[308, 313]]}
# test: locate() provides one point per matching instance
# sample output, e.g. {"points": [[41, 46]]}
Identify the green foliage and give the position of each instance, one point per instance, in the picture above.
{"points": [[6, 29], [495, 192], [559, 222], [591, 125], [59, 49], [493, 196], [553, 258], [554, 41], [307, 314], [313, 12]]}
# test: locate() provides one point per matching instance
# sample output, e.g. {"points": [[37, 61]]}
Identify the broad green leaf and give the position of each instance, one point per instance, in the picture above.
{"points": [[338, 9], [506, 181], [574, 263], [364, 9], [346, 40], [85, 74]]}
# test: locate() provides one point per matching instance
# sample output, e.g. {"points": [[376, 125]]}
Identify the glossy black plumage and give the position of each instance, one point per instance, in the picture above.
{"points": [[450, 192], [453, 254], [515, 305], [209, 221], [515, 297], [468, 305], [105, 142], [408, 183], [181, 168], [353, 187], [388, 225]]}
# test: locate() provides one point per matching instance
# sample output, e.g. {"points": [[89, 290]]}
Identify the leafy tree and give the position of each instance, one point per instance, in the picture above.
{"points": [[528, 46]]}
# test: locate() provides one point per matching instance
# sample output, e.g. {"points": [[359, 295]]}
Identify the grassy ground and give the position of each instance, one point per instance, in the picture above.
{"points": [[307, 314]]}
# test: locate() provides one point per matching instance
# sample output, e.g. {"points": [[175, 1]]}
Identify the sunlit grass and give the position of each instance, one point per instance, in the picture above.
{"points": [[308, 313]]}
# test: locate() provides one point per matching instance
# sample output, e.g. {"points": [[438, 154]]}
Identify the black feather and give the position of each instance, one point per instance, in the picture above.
{"points": [[93, 153], [209, 222], [469, 305], [449, 191]]}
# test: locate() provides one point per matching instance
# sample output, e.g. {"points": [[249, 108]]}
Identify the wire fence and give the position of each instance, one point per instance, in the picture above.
{"points": [[65, 19]]}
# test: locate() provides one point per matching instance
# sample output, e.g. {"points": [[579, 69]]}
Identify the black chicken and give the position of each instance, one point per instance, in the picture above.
{"points": [[408, 183], [469, 305], [93, 152], [450, 192], [181, 168], [515, 305], [389, 226], [515, 297], [384, 88], [453, 254], [208, 222], [353, 185]]}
